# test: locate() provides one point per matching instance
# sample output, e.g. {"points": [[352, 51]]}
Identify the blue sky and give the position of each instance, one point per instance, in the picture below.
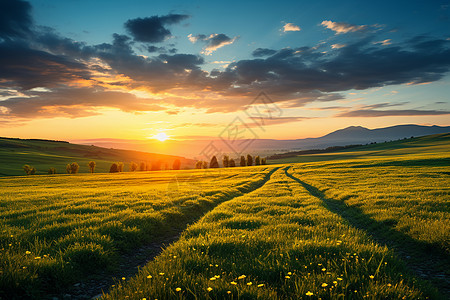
{"points": [[192, 66]]}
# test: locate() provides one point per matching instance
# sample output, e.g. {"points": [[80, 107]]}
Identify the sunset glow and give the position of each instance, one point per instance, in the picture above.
{"points": [[161, 136]]}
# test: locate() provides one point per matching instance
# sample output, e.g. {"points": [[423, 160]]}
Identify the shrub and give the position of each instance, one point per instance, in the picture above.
{"points": [[205, 165], [74, 167], [198, 164], [249, 160], [243, 162], [214, 163], [120, 166], [231, 163], [68, 168], [91, 166], [257, 161], [226, 161], [114, 168], [27, 169], [52, 171], [176, 164], [133, 166], [263, 161], [33, 171]]}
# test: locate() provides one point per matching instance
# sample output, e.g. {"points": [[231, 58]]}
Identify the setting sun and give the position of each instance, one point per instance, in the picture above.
{"points": [[161, 136]]}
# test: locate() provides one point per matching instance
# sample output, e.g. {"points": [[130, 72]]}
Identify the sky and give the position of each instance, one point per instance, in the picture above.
{"points": [[79, 69]]}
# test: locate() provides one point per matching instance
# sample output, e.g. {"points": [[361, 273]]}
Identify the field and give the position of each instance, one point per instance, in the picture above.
{"points": [[45, 154], [370, 223]]}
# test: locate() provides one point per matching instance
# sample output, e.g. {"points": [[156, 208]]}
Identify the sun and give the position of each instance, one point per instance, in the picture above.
{"points": [[161, 136]]}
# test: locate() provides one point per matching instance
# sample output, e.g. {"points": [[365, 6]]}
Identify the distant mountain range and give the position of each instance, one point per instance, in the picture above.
{"points": [[341, 137]]}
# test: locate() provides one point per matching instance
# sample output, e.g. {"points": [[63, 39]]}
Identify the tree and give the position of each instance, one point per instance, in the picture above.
{"points": [[231, 163], [142, 166], [205, 165], [225, 161], [91, 166], [74, 167], [263, 161], [52, 171], [176, 164], [27, 169], [214, 163], [33, 171], [249, 160], [199, 164], [114, 168], [156, 166], [133, 166], [257, 161], [120, 166], [243, 162]]}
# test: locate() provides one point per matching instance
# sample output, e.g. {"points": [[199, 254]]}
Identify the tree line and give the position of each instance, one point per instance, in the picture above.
{"points": [[228, 162], [116, 167]]}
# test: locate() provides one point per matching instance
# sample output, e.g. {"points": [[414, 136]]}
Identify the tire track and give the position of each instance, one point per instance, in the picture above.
{"points": [[429, 264], [131, 263]]}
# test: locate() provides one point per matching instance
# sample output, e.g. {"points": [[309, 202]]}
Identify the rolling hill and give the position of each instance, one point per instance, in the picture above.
{"points": [[43, 154]]}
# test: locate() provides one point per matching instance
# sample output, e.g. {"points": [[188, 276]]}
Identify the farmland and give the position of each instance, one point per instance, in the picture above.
{"points": [[373, 225]]}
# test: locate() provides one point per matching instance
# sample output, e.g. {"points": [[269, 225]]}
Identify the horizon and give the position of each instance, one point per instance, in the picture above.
{"points": [[162, 72]]}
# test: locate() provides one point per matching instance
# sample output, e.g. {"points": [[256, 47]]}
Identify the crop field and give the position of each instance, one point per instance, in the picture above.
{"points": [[350, 228]]}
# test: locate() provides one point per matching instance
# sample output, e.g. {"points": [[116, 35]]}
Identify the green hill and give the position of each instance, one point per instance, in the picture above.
{"points": [[43, 154], [428, 147]]}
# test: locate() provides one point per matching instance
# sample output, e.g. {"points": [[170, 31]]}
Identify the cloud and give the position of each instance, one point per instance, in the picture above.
{"points": [[369, 113], [338, 46], [151, 29], [384, 42], [213, 41], [274, 121], [341, 27], [290, 27], [259, 52], [73, 103], [15, 19]]}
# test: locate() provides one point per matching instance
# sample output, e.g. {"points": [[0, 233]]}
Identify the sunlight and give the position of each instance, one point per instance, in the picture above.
{"points": [[161, 136]]}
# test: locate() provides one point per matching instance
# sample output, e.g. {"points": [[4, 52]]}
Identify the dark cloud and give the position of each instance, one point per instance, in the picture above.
{"points": [[73, 103], [213, 41], [151, 29], [259, 52], [368, 113], [26, 68], [15, 19]]}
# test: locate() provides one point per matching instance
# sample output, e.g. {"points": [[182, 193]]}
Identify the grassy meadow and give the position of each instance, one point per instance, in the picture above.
{"points": [[371, 223]]}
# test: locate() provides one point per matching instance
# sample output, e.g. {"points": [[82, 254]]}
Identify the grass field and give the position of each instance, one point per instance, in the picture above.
{"points": [[44, 154], [371, 223]]}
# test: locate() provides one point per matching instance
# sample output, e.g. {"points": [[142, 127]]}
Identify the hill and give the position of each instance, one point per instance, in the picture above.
{"points": [[426, 146], [265, 147], [43, 154]]}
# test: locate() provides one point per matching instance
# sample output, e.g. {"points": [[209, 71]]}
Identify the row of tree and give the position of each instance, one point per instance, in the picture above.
{"points": [[228, 162], [74, 167]]}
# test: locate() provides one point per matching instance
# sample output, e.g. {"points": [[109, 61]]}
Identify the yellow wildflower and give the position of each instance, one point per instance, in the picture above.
{"points": [[308, 293], [287, 277], [161, 274], [178, 289], [212, 278], [339, 278], [261, 285], [37, 257], [149, 276], [123, 278], [323, 269], [249, 283], [371, 277], [209, 289], [233, 283], [242, 277], [228, 292], [27, 252], [324, 284]]}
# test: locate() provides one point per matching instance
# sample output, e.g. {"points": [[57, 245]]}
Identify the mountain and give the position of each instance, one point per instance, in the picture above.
{"points": [[195, 147], [362, 135], [43, 154]]}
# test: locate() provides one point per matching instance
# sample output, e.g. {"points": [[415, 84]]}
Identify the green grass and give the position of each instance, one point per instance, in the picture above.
{"points": [[425, 146], [369, 223], [277, 242], [55, 230], [14, 153]]}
